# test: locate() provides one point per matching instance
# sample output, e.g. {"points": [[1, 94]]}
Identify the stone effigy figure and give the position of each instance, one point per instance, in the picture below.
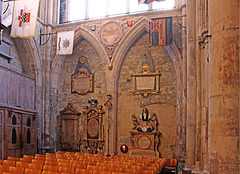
{"points": [[145, 122], [145, 116]]}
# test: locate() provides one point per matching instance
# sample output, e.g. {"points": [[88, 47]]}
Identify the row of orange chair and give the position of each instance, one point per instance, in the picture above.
{"points": [[70, 162]]}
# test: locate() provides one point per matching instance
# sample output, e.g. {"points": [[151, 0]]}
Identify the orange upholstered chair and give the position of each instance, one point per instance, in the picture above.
{"points": [[50, 168], [68, 170], [4, 168], [127, 170], [28, 158], [16, 170], [50, 163], [35, 166], [153, 168], [114, 169], [32, 171], [170, 166], [22, 164], [146, 172], [104, 172], [79, 166], [49, 172], [63, 164], [35, 161], [83, 171], [12, 158], [24, 160], [89, 167], [62, 160], [9, 163]]}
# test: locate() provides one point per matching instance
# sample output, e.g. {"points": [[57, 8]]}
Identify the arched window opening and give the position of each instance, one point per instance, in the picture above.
{"points": [[28, 122], [14, 136], [28, 136]]}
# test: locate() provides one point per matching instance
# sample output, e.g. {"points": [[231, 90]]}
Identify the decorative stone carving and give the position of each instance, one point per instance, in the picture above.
{"points": [[111, 33], [146, 81]]}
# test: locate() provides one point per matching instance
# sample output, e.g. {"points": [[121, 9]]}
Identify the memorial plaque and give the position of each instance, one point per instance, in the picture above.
{"points": [[82, 82], [111, 33]]}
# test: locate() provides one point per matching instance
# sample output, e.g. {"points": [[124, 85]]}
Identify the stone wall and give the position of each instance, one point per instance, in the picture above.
{"points": [[15, 63], [163, 104], [96, 66]]}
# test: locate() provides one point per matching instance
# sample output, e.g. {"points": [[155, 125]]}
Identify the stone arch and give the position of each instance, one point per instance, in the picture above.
{"points": [[58, 63], [119, 57]]}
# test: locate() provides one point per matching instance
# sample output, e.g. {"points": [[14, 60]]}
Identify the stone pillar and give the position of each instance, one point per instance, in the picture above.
{"points": [[47, 134], [191, 84], [224, 86], [182, 146], [56, 12]]}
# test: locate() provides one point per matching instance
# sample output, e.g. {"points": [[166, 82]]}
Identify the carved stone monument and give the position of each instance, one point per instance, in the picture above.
{"points": [[93, 137], [146, 81], [82, 79], [69, 138], [145, 135]]}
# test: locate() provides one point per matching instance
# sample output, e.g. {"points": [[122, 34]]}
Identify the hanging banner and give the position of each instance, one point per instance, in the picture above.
{"points": [[24, 18], [161, 31], [65, 42]]}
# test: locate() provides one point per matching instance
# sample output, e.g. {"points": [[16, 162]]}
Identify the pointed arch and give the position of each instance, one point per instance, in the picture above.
{"points": [[119, 56], [137, 30], [58, 63]]}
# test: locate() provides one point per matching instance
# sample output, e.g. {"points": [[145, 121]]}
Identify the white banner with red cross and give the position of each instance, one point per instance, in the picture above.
{"points": [[24, 18], [65, 42]]}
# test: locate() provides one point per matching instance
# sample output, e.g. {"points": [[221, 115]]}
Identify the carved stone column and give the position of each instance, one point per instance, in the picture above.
{"points": [[224, 86]]}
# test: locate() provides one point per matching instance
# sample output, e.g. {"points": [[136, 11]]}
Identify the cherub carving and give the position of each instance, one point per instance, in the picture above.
{"points": [[135, 121], [154, 122]]}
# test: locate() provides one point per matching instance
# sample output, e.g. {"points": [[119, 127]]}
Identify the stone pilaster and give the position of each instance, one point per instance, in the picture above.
{"points": [[191, 84]]}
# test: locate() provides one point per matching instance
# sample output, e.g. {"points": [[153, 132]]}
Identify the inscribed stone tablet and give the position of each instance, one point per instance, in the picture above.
{"points": [[92, 128], [144, 142]]}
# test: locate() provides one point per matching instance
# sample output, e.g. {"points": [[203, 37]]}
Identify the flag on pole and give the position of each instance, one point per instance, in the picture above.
{"points": [[148, 1], [24, 18], [65, 42], [161, 31]]}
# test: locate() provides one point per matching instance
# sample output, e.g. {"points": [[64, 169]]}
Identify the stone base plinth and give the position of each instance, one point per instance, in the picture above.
{"points": [[145, 144], [144, 153]]}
